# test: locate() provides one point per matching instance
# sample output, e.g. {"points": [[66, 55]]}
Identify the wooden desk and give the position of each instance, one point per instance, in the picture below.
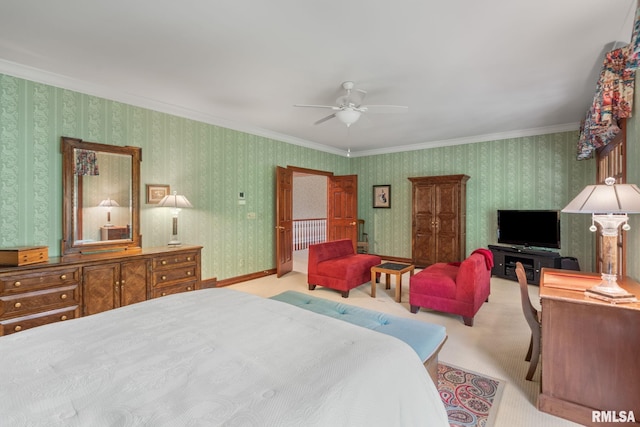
{"points": [[590, 349]]}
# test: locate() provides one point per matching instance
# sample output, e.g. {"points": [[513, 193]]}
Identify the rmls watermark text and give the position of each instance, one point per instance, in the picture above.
{"points": [[613, 417]]}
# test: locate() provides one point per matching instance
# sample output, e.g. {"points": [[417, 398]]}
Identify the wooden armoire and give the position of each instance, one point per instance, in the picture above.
{"points": [[438, 232]]}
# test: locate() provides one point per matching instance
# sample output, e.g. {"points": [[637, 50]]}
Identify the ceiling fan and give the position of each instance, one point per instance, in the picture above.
{"points": [[349, 108]]}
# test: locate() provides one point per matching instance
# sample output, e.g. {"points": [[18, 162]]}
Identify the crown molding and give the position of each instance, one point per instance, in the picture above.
{"points": [[65, 82], [567, 127]]}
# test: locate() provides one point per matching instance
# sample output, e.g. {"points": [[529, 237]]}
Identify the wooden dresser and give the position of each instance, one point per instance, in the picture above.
{"points": [[589, 349], [61, 289]]}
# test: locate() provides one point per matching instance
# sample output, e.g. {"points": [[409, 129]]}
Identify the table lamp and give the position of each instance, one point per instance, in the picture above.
{"points": [[176, 203], [108, 203], [608, 204]]}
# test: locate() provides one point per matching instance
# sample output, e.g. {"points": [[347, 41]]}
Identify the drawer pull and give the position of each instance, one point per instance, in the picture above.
{"points": [[188, 288], [18, 328], [164, 262], [17, 305], [63, 296], [188, 258], [188, 273], [163, 294], [63, 317], [17, 284], [163, 277], [63, 277]]}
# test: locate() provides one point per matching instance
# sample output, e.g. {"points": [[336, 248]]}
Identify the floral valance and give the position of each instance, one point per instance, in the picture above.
{"points": [[613, 99]]}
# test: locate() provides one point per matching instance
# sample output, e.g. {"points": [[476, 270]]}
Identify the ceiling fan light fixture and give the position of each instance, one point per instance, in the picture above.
{"points": [[348, 116]]}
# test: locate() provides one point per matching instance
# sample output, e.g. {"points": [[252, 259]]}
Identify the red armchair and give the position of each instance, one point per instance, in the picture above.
{"points": [[457, 288], [335, 265]]}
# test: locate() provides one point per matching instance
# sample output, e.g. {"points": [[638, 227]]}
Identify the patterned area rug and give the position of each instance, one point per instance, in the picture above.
{"points": [[471, 399]]}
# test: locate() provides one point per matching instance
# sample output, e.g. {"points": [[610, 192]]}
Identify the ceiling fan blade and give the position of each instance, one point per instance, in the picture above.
{"points": [[384, 109], [333, 107], [324, 119]]}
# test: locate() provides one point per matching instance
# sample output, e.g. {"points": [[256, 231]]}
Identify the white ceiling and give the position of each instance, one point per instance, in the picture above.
{"points": [[469, 70]]}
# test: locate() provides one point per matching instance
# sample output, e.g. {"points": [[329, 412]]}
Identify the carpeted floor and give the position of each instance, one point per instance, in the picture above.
{"points": [[471, 399]]}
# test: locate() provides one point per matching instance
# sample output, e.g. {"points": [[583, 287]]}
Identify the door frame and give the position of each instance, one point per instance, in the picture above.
{"points": [[283, 251]]}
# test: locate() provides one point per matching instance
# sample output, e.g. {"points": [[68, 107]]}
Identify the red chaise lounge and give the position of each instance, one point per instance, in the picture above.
{"points": [[335, 265], [457, 288]]}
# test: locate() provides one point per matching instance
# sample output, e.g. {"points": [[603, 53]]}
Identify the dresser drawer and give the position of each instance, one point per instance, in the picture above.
{"points": [[40, 280], [20, 304], [26, 322], [174, 260], [175, 289], [176, 275]]}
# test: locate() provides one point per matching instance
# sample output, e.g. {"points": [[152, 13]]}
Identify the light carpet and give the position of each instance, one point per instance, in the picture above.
{"points": [[471, 399]]}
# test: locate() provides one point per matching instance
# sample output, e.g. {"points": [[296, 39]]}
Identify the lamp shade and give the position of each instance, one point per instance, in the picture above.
{"points": [[108, 203], [174, 201], [348, 116], [607, 198]]}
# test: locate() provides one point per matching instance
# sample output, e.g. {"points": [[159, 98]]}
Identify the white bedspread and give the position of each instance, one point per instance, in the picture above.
{"points": [[209, 358]]}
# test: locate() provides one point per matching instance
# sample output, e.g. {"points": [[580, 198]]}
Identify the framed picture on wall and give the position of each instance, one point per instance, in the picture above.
{"points": [[381, 196], [155, 193]]}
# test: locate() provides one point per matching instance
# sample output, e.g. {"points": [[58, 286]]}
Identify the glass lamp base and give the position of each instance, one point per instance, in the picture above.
{"points": [[609, 290], [609, 286]]}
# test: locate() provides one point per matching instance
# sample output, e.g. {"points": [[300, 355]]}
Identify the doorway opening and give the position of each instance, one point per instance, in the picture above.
{"points": [[309, 215], [341, 212]]}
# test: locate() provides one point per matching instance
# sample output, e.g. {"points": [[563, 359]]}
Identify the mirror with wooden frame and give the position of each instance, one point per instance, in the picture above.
{"points": [[101, 197]]}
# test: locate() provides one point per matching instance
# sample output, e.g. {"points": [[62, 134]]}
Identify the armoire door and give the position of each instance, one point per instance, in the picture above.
{"points": [[447, 223], [424, 226]]}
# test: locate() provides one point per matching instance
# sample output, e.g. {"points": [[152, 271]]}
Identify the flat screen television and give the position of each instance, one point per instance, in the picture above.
{"points": [[529, 228]]}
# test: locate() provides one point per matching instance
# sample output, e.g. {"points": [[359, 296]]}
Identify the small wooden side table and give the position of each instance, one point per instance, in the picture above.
{"points": [[389, 268]]}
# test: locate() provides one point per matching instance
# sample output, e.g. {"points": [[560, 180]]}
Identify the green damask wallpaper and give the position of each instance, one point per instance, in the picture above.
{"points": [[523, 173], [633, 176], [211, 165]]}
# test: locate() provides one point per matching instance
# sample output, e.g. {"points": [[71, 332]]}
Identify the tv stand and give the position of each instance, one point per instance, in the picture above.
{"points": [[533, 260]]}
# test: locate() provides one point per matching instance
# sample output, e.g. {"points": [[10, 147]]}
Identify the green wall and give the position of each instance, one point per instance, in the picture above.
{"points": [[211, 165], [208, 164], [522, 173], [633, 177]]}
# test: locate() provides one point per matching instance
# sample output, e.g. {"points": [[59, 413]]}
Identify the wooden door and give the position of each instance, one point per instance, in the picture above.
{"points": [[133, 282], [100, 288], [424, 226], [447, 223], [284, 221], [342, 209]]}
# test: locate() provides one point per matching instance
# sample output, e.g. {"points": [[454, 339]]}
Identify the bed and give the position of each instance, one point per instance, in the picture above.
{"points": [[212, 357]]}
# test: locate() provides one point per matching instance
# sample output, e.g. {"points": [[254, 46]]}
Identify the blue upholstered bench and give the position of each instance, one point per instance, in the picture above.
{"points": [[425, 338]]}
